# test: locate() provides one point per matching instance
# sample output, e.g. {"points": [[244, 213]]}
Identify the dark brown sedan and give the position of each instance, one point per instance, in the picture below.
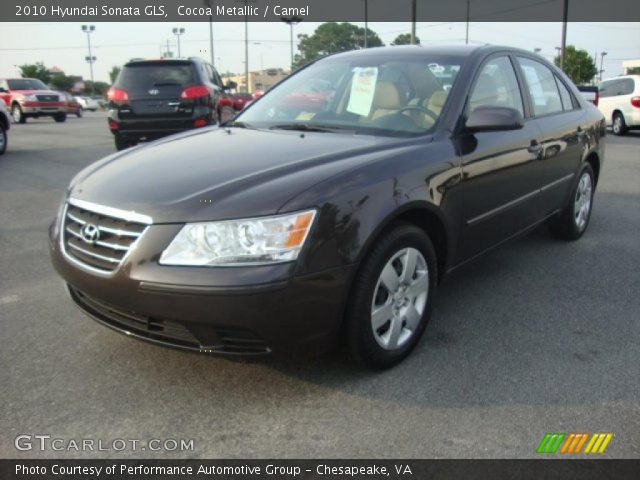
{"points": [[303, 224]]}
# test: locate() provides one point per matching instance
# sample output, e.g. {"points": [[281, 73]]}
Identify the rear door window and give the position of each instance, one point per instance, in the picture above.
{"points": [[145, 76], [543, 90], [565, 96]]}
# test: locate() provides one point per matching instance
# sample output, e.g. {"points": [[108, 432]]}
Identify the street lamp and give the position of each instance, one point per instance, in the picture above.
{"points": [[210, 4], [291, 21], [537, 50], [602, 54], [89, 29], [177, 32]]}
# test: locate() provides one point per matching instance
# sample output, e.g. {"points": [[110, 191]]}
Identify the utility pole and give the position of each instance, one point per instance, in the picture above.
{"points": [[413, 21], [211, 4], [466, 41], [602, 54], [89, 29], [246, 47], [565, 15], [366, 22]]}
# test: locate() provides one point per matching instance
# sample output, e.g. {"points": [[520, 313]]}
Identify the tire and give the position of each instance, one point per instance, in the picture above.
{"points": [[123, 142], [574, 219], [17, 115], [79, 112], [60, 117], [618, 125], [3, 139], [402, 314]]}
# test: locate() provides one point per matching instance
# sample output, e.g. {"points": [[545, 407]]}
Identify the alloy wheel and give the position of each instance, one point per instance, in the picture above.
{"points": [[400, 298], [582, 202]]}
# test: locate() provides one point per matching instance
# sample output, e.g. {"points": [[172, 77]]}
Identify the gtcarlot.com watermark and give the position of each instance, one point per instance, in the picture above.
{"points": [[46, 443]]}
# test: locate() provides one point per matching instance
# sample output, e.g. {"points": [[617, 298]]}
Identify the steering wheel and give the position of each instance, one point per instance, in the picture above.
{"points": [[419, 108]]}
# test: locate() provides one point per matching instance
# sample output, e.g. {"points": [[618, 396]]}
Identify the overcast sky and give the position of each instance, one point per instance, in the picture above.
{"points": [[64, 45]]}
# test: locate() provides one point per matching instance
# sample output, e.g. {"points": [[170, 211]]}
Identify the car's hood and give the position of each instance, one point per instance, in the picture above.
{"points": [[219, 173]]}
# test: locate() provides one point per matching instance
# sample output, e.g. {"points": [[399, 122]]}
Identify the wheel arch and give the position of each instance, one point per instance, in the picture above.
{"points": [[594, 160]]}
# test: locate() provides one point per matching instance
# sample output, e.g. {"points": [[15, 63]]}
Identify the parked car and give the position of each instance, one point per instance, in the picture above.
{"points": [[240, 100], [590, 93], [295, 230], [5, 125], [31, 98], [154, 98], [88, 103], [73, 106], [620, 103]]}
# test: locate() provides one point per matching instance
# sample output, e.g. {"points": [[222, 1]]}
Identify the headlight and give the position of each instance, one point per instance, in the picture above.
{"points": [[240, 242]]}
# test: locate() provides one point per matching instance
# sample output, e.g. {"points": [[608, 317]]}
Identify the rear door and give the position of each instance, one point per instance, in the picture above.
{"points": [[563, 126], [500, 169], [154, 88]]}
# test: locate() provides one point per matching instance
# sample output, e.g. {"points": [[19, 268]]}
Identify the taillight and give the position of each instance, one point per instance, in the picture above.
{"points": [[635, 101], [595, 102], [195, 91], [113, 125], [117, 95], [200, 123]]}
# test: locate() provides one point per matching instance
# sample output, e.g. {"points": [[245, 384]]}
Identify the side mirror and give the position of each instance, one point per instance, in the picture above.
{"points": [[231, 85], [493, 119], [2, 90]]}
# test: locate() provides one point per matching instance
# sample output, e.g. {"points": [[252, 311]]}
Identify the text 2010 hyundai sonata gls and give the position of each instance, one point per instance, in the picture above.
{"points": [[330, 209]]}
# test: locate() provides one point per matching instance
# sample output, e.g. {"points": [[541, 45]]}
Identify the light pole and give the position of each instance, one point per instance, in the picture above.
{"points": [[177, 32], [89, 29], [537, 50], [466, 38], [291, 21], [210, 4], [414, 9], [565, 18], [602, 54], [366, 23]]}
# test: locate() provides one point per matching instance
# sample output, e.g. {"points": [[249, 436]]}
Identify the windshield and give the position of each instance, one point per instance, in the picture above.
{"points": [[386, 95], [26, 84]]}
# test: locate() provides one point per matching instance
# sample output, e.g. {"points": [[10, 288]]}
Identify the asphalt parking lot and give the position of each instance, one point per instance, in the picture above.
{"points": [[538, 336]]}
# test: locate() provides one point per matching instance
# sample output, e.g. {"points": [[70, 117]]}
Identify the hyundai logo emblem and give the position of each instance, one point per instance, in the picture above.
{"points": [[90, 233], [154, 91]]}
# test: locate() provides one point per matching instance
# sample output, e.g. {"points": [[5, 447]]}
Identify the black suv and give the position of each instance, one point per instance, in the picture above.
{"points": [[153, 98]]}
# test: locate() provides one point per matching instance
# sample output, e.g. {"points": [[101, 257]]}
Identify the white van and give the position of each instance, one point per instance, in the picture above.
{"points": [[620, 103]]}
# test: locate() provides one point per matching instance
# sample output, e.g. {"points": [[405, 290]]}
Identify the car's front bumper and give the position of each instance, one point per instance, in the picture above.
{"points": [[41, 108], [245, 310]]}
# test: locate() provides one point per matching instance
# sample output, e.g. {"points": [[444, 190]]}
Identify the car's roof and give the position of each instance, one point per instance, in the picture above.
{"points": [[457, 50]]}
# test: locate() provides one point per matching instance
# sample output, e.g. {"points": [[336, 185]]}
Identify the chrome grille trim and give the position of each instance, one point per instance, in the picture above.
{"points": [[111, 253]]}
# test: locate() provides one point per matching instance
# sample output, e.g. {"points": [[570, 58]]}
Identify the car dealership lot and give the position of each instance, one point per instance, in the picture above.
{"points": [[538, 336]]}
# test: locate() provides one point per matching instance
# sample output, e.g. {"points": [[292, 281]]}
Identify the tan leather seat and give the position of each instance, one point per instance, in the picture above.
{"points": [[436, 101], [386, 100]]}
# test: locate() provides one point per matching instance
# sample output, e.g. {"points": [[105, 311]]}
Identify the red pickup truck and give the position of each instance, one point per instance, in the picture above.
{"points": [[29, 97]]}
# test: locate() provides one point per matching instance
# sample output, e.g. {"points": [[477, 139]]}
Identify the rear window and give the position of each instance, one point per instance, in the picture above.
{"points": [[614, 88], [146, 75], [26, 84]]}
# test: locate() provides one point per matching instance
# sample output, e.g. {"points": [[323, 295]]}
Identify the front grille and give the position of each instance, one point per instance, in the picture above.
{"points": [[97, 240], [203, 338], [47, 98]]}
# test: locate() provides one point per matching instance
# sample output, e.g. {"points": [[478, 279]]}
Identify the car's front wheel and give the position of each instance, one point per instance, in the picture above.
{"points": [[574, 219], [618, 126], [17, 115], [3, 139], [389, 304]]}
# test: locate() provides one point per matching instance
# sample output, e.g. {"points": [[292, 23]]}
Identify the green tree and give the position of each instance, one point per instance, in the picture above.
{"points": [[62, 82], [633, 71], [35, 70], [404, 39], [578, 65], [96, 88], [113, 73], [333, 38]]}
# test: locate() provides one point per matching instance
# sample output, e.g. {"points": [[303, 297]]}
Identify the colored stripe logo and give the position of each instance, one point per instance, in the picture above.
{"points": [[573, 443]]}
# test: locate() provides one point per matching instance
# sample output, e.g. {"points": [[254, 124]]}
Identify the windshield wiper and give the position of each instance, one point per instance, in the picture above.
{"points": [[236, 124], [305, 127]]}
